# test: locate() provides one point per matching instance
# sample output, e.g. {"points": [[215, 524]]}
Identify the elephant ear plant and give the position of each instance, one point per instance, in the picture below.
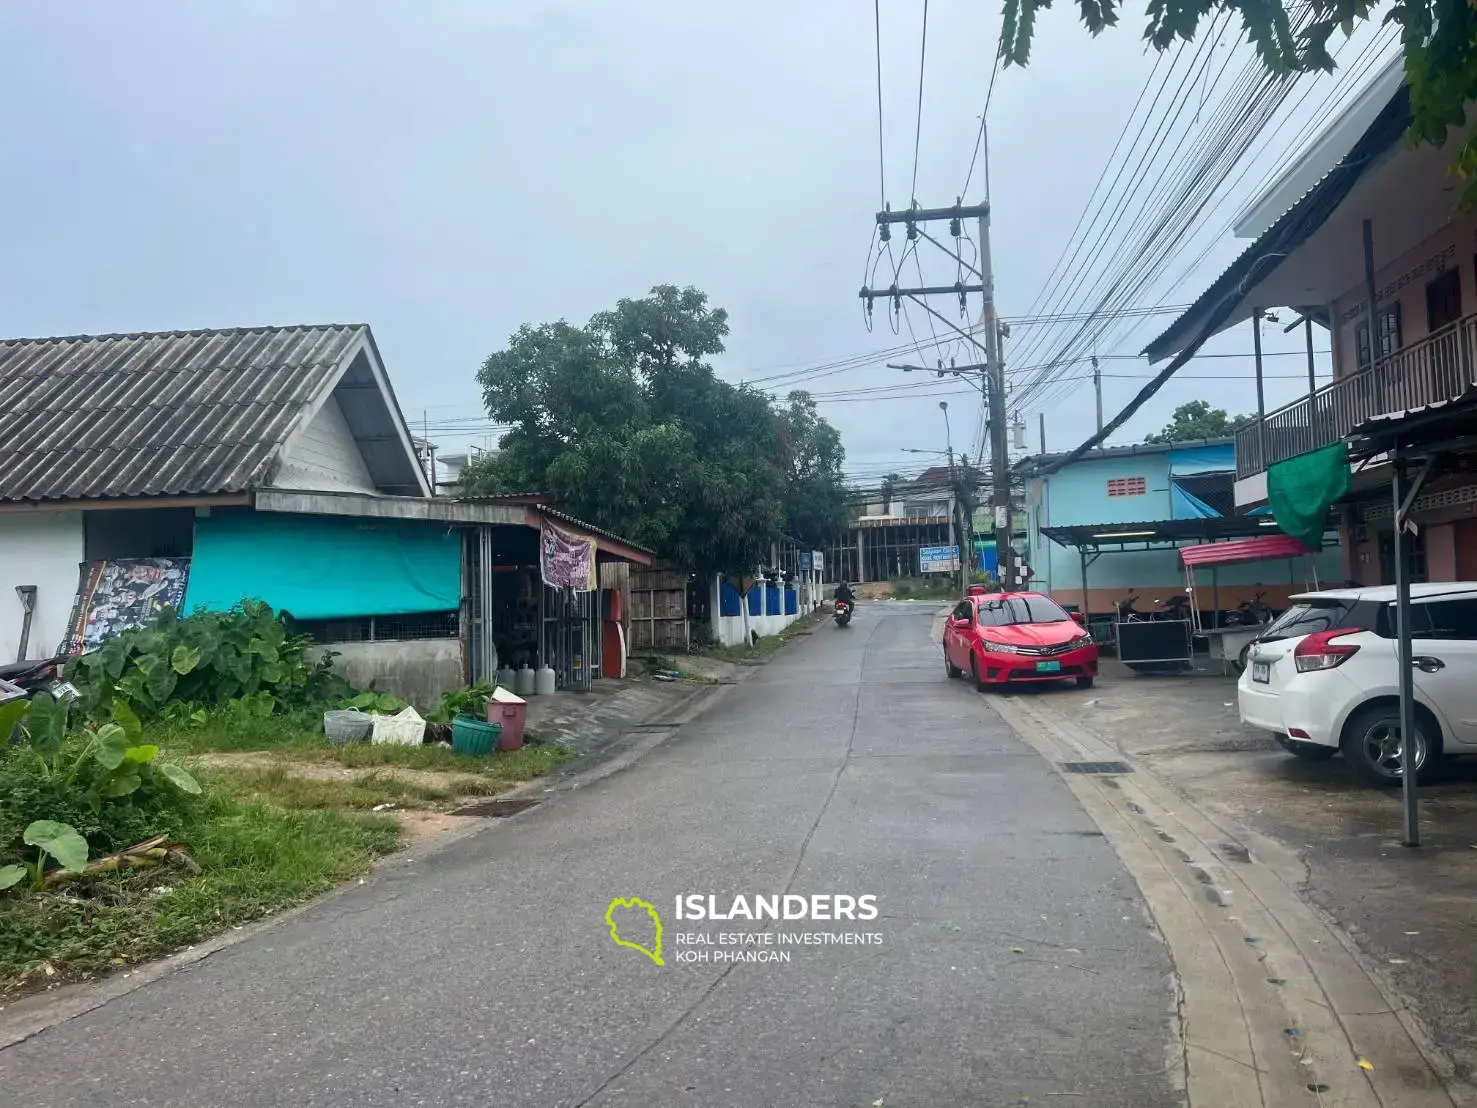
{"points": [[98, 765]]}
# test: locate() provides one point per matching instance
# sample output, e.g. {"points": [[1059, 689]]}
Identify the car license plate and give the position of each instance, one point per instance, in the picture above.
{"points": [[1261, 672], [1048, 667]]}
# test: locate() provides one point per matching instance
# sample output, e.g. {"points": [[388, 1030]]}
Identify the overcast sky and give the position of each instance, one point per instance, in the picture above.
{"points": [[447, 171]]}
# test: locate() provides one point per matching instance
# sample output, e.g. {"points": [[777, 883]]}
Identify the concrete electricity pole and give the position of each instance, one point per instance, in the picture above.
{"points": [[994, 365]]}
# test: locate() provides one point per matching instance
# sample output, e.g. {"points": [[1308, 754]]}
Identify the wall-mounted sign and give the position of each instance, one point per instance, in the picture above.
{"points": [[122, 594]]}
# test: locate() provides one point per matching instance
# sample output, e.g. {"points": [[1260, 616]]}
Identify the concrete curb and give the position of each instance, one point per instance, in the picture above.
{"points": [[1273, 1003], [1274, 1006]]}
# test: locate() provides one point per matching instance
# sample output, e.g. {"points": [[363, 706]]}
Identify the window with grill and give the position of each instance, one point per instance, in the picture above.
{"points": [[404, 628], [1389, 326], [1127, 486]]}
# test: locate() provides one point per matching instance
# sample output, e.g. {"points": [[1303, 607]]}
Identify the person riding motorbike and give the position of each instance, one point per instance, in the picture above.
{"points": [[843, 592]]}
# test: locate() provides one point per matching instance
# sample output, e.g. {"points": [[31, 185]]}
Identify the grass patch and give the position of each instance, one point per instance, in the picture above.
{"points": [[226, 731], [530, 761], [256, 859], [276, 785]]}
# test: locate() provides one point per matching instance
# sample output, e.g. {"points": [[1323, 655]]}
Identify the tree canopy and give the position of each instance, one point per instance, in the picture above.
{"points": [[1198, 420], [1439, 38], [624, 423]]}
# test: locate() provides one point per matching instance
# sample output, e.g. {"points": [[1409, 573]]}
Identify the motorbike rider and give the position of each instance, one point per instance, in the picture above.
{"points": [[843, 592]]}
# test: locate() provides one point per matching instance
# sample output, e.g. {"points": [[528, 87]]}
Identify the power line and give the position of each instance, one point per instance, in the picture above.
{"points": [[918, 129]]}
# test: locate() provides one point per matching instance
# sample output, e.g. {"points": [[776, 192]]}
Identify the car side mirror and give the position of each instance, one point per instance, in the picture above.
{"points": [[1080, 618]]}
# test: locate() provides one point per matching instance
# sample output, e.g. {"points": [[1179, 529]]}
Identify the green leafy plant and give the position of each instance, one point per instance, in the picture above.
{"points": [[60, 841], [371, 701], [205, 659], [469, 700]]}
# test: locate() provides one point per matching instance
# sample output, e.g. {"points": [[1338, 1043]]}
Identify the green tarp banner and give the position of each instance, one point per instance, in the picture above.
{"points": [[1302, 489], [325, 567]]}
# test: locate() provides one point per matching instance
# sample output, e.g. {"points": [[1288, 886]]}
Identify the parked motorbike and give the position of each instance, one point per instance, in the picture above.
{"points": [[843, 613], [23, 680], [1250, 613], [1125, 612], [1174, 607]]}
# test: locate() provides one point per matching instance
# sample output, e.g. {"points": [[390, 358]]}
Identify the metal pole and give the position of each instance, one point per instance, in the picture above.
{"points": [[1261, 396], [1312, 386], [1041, 417], [1082, 553], [1097, 387], [1372, 309], [1403, 659], [999, 456]]}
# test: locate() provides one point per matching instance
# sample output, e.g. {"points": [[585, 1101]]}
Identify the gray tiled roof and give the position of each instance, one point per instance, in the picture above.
{"points": [[155, 414]]}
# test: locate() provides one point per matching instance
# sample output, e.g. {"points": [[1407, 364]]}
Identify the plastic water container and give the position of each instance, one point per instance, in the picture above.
{"points": [[523, 681], [506, 678], [512, 713], [545, 683]]}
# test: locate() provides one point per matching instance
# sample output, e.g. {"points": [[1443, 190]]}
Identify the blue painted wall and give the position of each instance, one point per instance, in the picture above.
{"points": [[1078, 495]]}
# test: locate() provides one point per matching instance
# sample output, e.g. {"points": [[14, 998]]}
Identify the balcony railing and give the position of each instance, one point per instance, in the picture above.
{"points": [[1439, 367]]}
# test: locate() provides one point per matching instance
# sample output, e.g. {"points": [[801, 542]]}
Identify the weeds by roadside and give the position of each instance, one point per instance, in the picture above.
{"points": [[767, 646], [255, 859]]}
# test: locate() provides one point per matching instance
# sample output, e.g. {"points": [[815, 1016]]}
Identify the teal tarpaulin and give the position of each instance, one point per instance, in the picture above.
{"points": [[325, 567]]}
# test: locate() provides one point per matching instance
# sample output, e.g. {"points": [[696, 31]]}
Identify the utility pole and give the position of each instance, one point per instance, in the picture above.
{"points": [[995, 397], [1097, 387], [992, 370]]}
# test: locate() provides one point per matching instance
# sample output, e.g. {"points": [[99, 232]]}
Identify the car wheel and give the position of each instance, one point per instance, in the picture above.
{"points": [[951, 669], [1241, 659], [1085, 681], [974, 672], [1311, 752], [1373, 748]]}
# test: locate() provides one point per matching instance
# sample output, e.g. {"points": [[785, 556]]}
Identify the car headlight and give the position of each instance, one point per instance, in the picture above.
{"points": [[999, 647], [1081, 641]]}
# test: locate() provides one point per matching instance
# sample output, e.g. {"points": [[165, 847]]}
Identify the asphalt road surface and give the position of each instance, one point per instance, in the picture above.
{"points": [[1016, 959]]}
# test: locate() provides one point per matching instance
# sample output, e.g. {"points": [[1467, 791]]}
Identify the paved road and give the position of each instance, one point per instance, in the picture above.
{"points": [[1016, 962]]}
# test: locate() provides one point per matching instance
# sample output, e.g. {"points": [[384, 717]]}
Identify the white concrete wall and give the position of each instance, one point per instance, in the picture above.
{"points": [[729, 630], [326, 458], [45, 550]]}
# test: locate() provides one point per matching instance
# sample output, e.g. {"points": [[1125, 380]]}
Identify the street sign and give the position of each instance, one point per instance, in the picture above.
{"points": [[804, 561], [938, 559], [818, 559]]}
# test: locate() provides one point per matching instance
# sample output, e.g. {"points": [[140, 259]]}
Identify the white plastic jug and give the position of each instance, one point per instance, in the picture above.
{"points": [[507, 677], [523, 684], [544, 685]]}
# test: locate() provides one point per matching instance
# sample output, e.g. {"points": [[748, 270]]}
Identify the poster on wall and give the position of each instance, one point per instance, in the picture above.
{"points": [[565, 561], [121, 594]]}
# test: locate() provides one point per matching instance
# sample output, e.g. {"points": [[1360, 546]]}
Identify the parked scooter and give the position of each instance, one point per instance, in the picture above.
{"points": [[1250, 613], [1174, 607], [23, 680]]}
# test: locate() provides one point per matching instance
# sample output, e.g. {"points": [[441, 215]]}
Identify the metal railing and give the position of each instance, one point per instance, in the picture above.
{"points": [[1440, 367]]}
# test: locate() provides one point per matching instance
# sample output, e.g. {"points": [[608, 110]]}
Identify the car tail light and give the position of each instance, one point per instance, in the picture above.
{"points": [[1320, 651]]}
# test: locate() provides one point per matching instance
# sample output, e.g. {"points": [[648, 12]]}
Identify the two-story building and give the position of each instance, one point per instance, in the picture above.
{"points": [[1363, 238]]}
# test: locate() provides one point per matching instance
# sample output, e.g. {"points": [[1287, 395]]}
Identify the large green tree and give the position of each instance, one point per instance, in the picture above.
{"points": [[1198, 420], [624, 422], [816, 508], [1439, 38]]}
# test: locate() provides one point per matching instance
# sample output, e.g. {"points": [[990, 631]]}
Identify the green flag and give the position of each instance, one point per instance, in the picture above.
{"points": [[1302, 489]]}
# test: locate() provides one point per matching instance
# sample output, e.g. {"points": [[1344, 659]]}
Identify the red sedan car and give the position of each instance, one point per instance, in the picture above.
{"points": [[1014, 638]]}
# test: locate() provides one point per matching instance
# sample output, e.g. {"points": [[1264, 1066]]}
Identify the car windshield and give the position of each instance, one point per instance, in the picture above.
{"points": [[1021, 609], [1307, 618]]}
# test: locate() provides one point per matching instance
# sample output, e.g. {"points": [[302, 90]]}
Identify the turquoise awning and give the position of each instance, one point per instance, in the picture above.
{"points": [[325, 567]]}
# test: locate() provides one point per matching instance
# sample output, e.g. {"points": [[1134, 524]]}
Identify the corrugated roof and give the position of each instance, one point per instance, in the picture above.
{"points": [[1220, 301], [1258, 549], [1026, 465], [174, 412]]}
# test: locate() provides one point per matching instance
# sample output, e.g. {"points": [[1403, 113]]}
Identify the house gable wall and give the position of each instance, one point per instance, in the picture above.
{"points": [[325, 458]]}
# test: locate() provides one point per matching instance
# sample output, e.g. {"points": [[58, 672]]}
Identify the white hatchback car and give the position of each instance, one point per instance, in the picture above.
{"points": [[1323, 677]]}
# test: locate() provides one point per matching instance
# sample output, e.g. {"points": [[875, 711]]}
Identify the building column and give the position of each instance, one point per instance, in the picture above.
{"points": [[861, 563]]}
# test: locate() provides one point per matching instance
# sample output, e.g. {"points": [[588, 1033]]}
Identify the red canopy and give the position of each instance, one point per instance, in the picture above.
{"points": [[1259, 549]]}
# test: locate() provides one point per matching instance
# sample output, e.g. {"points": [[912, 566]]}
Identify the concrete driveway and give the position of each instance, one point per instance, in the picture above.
{"points": [[1016, 962], [1412, 913]]}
